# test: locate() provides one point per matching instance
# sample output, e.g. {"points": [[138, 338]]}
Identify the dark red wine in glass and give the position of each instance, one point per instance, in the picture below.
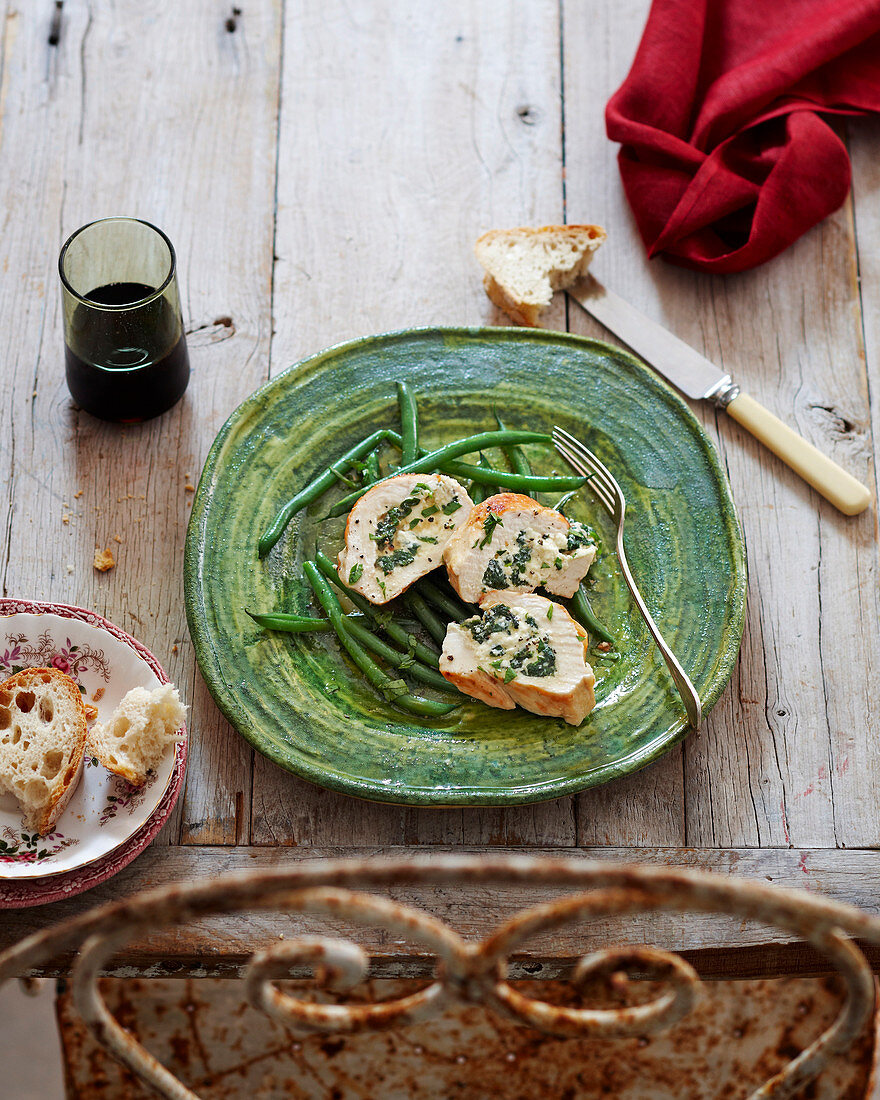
{"points": [[125, 349]]}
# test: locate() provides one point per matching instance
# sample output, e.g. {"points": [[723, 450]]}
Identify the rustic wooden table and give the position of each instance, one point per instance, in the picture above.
{"points": [[323, 169]]}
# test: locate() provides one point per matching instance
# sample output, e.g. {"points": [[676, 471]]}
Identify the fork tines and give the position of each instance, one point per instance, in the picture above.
{"points": [[608, 493], [585, 462]]}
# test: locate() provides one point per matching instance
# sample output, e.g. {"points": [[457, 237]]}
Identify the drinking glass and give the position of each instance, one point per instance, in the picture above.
{"points": [[124, 343]]}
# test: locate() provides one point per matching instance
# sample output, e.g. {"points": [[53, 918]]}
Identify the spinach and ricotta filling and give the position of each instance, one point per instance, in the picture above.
{"points": [[536, 554], [509, 642], [419, 520]]}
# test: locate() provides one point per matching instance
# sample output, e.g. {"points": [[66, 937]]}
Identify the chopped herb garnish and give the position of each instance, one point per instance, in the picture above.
{"points": [[452, 506], [355, 573], [550, 611], [559, 563], [427, 538], [489, 524], [431, 511], [393, 689]]}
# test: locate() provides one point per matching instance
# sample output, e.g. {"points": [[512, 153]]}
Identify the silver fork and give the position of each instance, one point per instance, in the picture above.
{"points": [[610, 496]]}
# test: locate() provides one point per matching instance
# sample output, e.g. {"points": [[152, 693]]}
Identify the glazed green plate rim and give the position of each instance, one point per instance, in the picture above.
{"points": [[244, 722]]}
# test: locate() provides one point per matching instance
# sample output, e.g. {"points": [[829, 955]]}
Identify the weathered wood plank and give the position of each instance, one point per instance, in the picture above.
{"points": [[418, 155], [786, 757], [222, 944], [157, 111], [649, 807]]}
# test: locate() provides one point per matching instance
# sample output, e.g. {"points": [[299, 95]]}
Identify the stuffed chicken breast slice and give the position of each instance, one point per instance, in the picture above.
{"points": [[397, 532], [512, 543], [522, 650]]}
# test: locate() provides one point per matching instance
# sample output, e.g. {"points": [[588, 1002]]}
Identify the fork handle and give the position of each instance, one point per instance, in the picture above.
{"points": [[826, 477]]}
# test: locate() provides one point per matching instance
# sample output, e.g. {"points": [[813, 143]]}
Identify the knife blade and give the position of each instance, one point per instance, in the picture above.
{"points": [[698, 378]]}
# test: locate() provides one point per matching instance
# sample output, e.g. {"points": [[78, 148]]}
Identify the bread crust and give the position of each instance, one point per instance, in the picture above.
{"points": [[525, 309], [37, 679]]}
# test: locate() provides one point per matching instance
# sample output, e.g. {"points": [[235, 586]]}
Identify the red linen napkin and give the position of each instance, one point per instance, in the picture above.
{"points": [[725, 159]]}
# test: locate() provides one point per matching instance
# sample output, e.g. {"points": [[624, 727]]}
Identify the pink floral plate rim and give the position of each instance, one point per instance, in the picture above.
{"points": [[105, 811], [55, 887]]}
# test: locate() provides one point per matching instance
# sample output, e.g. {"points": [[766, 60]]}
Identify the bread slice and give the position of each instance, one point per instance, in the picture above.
{"points": [[134, 738], [42, 742], [525, 266]]}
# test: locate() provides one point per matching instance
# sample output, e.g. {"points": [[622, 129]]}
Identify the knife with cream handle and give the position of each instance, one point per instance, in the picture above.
{"points": [[697, 377]]}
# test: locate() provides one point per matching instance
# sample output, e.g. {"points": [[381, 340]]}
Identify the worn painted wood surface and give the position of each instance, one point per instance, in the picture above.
{"points": [[323, 169]]}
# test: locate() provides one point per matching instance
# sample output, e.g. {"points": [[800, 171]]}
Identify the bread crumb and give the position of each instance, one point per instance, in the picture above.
{"points": [[104, 560], [78, 494], [116, 538], [91, 712], [189, 488], [65, 518], [98, 695], [174, 648], [69, 567]]}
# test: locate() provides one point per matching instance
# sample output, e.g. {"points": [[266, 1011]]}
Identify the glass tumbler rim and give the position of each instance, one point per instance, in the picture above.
{"points": [[172, 267]]}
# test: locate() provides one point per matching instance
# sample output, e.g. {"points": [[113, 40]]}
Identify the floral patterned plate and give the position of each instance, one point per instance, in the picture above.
{"points": [[105, 811]]}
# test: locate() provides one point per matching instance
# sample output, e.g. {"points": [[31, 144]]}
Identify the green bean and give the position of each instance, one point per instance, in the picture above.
{"points": [[301, 624], [478, 491], [314, 489], [581, 610], [434, 459], [449, 605], [429, 620], [515, 455], [406, 662], [371, 468], [500, 479], [560, 504], [409, 423], [381, 618], [394, 691], [291, 624], [518, 483]]}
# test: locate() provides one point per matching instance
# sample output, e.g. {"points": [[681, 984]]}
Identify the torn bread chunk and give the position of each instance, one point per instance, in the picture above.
{"points": [[133, 740], [512, 543], [42, 742], [522, 651], [397, 532], [525, 266]]}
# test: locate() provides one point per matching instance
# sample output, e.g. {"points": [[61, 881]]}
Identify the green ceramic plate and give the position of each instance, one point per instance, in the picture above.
{"points": [[297, 699]]}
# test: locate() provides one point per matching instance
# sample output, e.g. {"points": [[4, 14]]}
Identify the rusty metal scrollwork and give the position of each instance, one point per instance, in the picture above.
{"points": [[466, 971]]}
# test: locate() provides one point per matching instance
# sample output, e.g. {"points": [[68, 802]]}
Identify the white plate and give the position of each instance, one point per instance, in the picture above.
{"points": [[105, 810]]}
